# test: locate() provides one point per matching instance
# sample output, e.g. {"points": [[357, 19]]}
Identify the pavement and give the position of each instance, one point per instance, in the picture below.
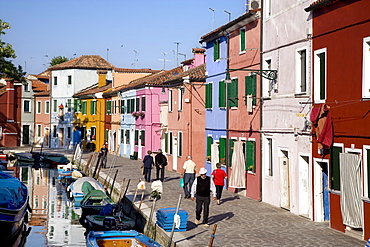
{"points": [[240, 221]]}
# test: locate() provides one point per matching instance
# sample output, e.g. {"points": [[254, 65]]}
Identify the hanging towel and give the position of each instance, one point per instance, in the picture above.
{"points": [[237, 177], [214, 155]]}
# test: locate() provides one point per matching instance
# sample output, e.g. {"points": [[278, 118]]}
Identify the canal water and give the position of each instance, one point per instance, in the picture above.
{"points": [[53, 221]]}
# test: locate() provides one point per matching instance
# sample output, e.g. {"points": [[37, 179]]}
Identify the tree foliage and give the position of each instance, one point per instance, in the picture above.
{"points": [[7, 68], [58, 60]]}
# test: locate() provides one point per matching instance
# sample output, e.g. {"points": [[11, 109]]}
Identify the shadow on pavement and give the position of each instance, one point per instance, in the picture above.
{"points": [[216, 218]]}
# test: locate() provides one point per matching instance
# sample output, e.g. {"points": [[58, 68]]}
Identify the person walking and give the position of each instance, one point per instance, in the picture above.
{"points": [[148, 165], [219, 176], [160, 163], [200, 191], [103, 155], [188, 173]]}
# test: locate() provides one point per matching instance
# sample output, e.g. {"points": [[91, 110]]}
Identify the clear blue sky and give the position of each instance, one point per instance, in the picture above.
{"points": [[43, 29]]}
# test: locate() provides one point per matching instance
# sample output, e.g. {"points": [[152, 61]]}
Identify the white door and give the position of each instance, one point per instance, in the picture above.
{"points": [[174, 154], [284, 183], [304, 205]]}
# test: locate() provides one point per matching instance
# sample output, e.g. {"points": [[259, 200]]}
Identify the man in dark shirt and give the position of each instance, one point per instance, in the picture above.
{"points": [[160, 163], [202, 187], [148, 165]]}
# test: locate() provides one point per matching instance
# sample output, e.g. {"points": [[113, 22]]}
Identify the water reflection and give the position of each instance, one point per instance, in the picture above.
{"points": [[53, 220]]}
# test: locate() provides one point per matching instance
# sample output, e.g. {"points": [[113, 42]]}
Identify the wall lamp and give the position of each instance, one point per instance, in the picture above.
{"points": [[268, 74]]}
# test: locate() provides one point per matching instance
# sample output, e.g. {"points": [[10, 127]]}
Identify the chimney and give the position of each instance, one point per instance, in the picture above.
{"points": [[10, 106], [102, 78], [199, 57]]}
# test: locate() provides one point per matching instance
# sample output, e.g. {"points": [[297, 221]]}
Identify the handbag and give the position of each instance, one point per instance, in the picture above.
{"points": [[181, 182]]}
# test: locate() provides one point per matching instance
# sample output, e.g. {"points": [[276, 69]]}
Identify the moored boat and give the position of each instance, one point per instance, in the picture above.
{"points": [[119, 238], [13, 206], [75, 192], [94, 202], [105, 223]]}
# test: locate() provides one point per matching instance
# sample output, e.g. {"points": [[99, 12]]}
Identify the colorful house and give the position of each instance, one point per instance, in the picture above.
{"points": [[341, 93]]}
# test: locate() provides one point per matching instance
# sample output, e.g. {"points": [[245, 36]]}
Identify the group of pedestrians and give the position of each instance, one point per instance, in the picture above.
{"points": [[197, 189]]}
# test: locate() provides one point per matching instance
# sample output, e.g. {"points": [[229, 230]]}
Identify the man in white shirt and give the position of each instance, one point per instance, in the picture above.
{"points": [[188, 173]]}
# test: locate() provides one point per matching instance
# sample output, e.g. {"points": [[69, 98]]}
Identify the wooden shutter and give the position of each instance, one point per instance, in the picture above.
{"points": [[232, 92], [222, 150], [209, 95], [231, 150], [216, 50], [242, 39], [250, 156], [84, 106], [251, 88], [109, 106], [334, 167], [221, 94], [209, 143]]}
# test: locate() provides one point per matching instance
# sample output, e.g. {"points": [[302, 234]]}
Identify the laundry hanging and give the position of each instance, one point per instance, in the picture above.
{"points": [[237, 177], [214, 155]]}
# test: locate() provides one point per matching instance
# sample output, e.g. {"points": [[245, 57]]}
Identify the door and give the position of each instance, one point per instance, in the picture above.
{"points": [[304, 199], [61, 137], [174, 154], [325, 191], [26, 134], [46, 138], [284, 183]]}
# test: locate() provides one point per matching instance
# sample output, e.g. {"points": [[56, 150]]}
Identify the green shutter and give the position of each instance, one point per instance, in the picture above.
{"points": [[209, 143], [322, 76], [334, 167], [91, 107], [250, 156], [242, 40], [136, 137], [137, 101], [216, 50], [142, 137], [209, 95], [251, 88], [231, 149], [222, 150], [221, 94], [166, 142], [84, 106], [143, 103], [109, 107], [232, 92]]}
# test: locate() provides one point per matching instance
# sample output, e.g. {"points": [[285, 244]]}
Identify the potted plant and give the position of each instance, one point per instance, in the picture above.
{"points": [[141, 114], [208, 158], [135, 114]]}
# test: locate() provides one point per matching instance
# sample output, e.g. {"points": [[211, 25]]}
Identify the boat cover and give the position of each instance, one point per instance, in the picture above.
{"points": [[76, 186], [13, 193]]}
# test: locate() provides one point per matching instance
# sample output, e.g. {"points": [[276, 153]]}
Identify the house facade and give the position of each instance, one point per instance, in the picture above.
{"points": [[285, 137], [341, 83]]}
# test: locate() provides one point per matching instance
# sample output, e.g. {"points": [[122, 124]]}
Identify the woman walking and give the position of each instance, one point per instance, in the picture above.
{"points": [[218, 176]]}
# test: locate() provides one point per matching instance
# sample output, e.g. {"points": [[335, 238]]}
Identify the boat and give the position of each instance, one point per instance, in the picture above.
{"points": [[119, 238], [94, 202], [74, 190], [105, 223], [13, 206]]}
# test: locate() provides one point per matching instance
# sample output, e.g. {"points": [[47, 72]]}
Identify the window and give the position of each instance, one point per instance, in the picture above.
{"points": [[93, 133], [143, 104], [47, 107], [268, 7], [113, 108], [170, 105], [55, 105], [55, 80], [209, 143], [231, 149], [142, 137], [222, 94], [170, 144], [222, 150], [39, 130], [181, 98], [216, 50], [365, 69], [166, 142], [127, 136], [251, 88], [122, 106], [179, 144], [108, 107], [137, 104], [83, 133], [69, 105], [55, 131], [209, 95], [136, 137], [26, 106], [84, 107], [106, 136], [69, 80], [269, 157], [320, 75], [69, 132], [38, 107], [250, 156], [334, 170], [232, 93], [122, 136], [26, 87], [301, 71], [242, 40], [93, 107]]}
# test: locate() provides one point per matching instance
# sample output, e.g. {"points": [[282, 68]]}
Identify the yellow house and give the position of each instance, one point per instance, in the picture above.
{"points": [[90, 113]]}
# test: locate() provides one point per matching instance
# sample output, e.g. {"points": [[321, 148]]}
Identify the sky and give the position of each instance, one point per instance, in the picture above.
{"points": [[127, 33]]}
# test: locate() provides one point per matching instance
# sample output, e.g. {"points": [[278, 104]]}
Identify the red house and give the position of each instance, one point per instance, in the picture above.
{"points": [[341, 111]]}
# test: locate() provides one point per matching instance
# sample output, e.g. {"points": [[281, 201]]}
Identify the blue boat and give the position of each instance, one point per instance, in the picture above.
{"points": [[119, 238], [13, 206]]}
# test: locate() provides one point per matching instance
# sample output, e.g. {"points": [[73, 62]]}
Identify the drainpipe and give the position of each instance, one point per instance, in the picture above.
{"points": [[260, 95], [227, 153]]}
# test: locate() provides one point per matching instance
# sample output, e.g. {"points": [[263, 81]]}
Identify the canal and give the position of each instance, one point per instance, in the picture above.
{"points": [[53, 221]]}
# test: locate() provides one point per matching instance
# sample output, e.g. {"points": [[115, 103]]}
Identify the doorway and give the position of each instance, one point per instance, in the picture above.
{"points": [[26, 135], [61, 137], [304, 198], [284, 180], [321, 191]]}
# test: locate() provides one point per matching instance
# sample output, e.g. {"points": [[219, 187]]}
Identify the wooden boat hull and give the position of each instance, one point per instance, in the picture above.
{"points": [[119, 238]]}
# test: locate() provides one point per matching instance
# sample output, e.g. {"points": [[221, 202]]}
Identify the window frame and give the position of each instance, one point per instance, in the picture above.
{"points": [[170, 99], [179, 143], [38, 107], [320, 80], [55, 80], [301, 71], [47, 107], [55, 106], [209, 95], [216, 50], [27, 106], [39, 130], [69, 80], [242, 40]]}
